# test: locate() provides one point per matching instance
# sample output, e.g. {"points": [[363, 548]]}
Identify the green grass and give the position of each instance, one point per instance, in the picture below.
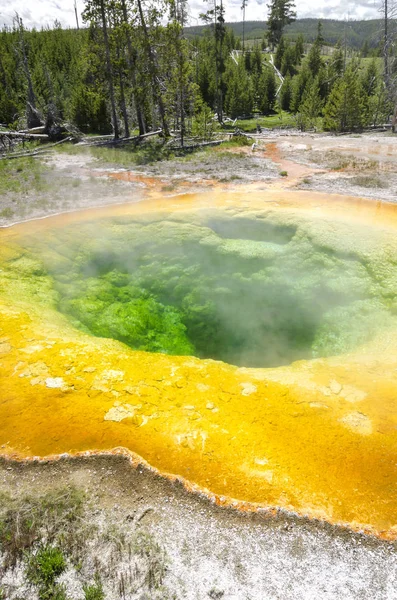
{"points": [[22, 175], [282, 119], [7, 212], [129, 155], [237, 141]]}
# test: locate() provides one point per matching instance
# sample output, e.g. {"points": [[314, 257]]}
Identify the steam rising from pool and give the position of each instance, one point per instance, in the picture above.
{"points": [[256, 290]]}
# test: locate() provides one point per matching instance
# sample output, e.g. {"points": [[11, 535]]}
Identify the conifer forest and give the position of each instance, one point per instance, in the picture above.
{"points": [[134, 67]]}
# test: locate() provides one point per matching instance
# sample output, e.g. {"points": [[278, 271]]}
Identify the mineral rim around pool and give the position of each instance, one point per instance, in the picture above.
{"points": [[245, 344]]}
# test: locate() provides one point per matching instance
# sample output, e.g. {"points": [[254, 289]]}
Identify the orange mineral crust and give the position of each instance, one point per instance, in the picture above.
{"points": [[318, 437]]}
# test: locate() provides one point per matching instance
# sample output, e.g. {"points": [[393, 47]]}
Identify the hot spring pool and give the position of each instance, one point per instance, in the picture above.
{"points": [[244, 344]]}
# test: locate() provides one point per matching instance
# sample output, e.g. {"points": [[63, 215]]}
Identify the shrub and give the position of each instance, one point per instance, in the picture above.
{"points": [[95, 591], [45, 566], [239, 140]]}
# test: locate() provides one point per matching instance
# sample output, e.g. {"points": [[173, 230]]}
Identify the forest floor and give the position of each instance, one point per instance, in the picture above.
{"points": [[209, 552]]}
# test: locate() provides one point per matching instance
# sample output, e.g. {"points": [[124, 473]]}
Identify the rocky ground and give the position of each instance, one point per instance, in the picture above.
{"points": [[362, 166]]}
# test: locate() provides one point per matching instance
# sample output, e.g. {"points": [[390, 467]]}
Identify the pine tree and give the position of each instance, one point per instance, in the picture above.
{"points": [[344, 110], [320, 38], [299, 49], [286, 94], [281, 13], [137, 92], [205, 78], [369, 79], [323, 82], [299, 83], [311, 105], [364, 49], [314, 58], [267, 91], [179, 11], [216, 15], [243, 7], [12, 84], [257, 61], [87, 107], [247, 61], [278, 57], [204, 124], [239, 99], [338, 61], [376, 106], [288, 64]]}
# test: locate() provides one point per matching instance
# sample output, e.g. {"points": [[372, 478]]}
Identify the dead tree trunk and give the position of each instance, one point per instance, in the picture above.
{"points": [[153, 72], [132, 71], [32, 116], [386, 44], [124, 107], [394, 119], [109, 70]]}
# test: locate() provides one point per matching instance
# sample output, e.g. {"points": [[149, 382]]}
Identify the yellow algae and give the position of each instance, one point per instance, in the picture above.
{"points": [[318, 437]]}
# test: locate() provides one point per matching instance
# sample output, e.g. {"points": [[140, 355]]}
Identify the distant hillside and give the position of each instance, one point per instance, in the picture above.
{"points": [[357, 32]]}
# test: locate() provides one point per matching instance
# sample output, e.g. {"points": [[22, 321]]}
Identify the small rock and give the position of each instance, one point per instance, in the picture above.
{"points": [[55, 382], [335, 386]]}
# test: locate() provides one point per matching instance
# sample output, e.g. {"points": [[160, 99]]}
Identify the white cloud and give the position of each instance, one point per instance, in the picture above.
{"points": [[39, 13], [257, 10], [44, 12]]}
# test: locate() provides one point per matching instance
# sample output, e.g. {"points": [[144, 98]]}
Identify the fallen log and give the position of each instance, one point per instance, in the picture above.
{"points": [[196, 146], [121, 141], [33, 130], [24, 136], [94, 138], [35, 152]]}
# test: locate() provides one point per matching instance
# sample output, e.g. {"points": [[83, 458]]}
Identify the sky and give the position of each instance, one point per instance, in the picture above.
{"points": [[38, 13]]}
